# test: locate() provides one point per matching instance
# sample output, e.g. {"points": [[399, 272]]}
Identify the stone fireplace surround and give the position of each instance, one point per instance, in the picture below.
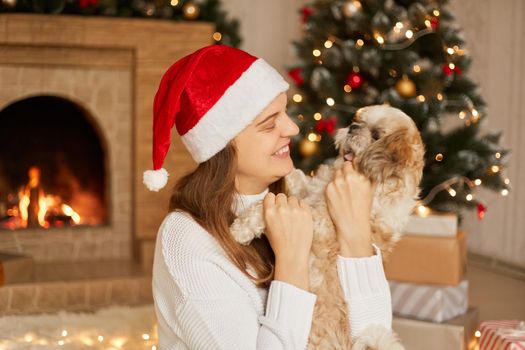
{"points": [[111, 68]]}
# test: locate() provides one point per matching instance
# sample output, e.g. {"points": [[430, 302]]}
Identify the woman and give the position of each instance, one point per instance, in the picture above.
{"points": [[210, 292]]}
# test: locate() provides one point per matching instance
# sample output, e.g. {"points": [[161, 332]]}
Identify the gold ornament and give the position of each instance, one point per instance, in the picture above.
{"points": [[405, 87], [191, 11], [307, 147], [350, 8]]}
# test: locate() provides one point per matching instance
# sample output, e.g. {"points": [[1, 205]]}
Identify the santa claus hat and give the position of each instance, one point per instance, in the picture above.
{"points": [[210, 95]]}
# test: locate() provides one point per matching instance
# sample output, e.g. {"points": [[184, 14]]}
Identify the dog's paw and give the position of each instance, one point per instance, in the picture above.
{"points": [[249, 225], [376, 337]]}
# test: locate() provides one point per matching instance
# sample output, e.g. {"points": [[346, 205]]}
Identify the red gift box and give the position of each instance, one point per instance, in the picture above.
{"points": [[502, 335]]}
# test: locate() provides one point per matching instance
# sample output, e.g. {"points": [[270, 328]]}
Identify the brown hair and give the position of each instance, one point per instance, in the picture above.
{"points": [[207, 194]]}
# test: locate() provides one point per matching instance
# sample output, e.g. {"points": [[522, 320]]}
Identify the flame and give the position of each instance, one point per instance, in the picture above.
{"points": [[70, 212], [23, 205], [45, 204]]}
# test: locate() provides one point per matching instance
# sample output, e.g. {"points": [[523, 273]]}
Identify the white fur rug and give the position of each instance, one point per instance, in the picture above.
{"points": [[117, 327]]}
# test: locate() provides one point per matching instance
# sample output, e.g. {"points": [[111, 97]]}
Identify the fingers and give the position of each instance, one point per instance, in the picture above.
{"points": [[281, 199], [303, 204], [348, 167], [293, 201], [269, 200]]}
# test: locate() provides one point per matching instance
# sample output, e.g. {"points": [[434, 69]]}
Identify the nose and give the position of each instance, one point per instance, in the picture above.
{"points": [[354, 126], [290, 129]]}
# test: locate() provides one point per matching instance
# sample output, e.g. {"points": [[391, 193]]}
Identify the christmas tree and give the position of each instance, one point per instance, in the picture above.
{"points": [[227, 30], [408, 54]]}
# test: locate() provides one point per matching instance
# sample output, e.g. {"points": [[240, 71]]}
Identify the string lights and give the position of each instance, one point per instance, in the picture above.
{"points": [[82, 338], [422, 208]]}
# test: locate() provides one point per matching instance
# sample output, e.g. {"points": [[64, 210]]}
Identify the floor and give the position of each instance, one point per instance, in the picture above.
{"points": [[495, 294]]}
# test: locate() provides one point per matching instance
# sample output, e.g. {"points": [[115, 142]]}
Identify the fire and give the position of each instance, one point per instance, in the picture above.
{"points": [[35, 207]]}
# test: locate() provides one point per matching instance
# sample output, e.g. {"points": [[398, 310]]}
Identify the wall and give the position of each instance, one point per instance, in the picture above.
{"points": [[494, 34]]}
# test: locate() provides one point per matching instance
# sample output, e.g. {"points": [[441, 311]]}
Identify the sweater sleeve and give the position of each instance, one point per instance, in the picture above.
{"points": [[200, 303], [289, 312], [366, 291], [232, 323]]}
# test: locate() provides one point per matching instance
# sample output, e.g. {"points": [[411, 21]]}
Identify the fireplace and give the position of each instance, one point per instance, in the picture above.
{"points": [[67, 160], [76, 98], [52, 166]]}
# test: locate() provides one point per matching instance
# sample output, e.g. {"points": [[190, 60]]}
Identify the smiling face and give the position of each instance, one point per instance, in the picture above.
{"points": [[263, 155], [371, 124]]}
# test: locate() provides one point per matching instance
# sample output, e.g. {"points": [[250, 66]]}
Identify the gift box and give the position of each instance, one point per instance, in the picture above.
{"points": [[429, 302], [502, 335], [15, 268], [428, 260], [435, 224], [455, 334]]}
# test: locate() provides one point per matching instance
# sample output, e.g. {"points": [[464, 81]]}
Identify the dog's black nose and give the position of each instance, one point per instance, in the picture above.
{"points": [[354, 126]]}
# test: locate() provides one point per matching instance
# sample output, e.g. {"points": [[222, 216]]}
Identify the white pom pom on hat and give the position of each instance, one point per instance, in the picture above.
{"points": [[210, 96], [155, 179]]}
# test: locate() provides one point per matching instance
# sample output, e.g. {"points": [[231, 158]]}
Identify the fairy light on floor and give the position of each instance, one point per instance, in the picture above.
{"points": [[101, 330]]}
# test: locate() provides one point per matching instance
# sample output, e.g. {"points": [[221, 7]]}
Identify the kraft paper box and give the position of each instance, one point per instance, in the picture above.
{"points": [[435, 224], [455, 334], [15, 268], [428, 260], [429, 302], [502, 335]]}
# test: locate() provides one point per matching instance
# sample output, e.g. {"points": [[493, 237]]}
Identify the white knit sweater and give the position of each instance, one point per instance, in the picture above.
{"points": [[203, 301]]}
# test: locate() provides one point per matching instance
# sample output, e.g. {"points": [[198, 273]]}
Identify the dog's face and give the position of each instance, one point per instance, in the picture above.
{"points": [[383, 137]]}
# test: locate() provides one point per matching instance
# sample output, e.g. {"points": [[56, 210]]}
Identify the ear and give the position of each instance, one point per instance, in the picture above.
{"points": [[391, 155]]}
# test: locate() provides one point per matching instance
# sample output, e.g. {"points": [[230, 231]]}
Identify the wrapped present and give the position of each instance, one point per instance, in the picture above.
{"points": [[429, 302], [15, 268], [455, 334], [502, 335], [435, 224], [428, 260]]}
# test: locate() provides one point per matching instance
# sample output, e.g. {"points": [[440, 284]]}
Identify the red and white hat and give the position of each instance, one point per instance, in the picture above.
{"points": [[210, 95]]}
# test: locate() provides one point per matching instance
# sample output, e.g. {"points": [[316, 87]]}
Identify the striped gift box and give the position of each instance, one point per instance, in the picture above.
{"points": [[429, 302], [502, 335]]}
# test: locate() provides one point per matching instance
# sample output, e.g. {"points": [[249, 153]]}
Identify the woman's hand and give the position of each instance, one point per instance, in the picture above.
{"points": [[349, 199], [289, 228]]}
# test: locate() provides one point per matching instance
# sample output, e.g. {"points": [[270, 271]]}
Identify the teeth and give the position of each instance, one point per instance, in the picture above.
{"points": [[282, 150]]}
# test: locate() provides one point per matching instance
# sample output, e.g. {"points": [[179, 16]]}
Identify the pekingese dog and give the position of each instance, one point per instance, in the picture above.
{"points": [[386, 147]]}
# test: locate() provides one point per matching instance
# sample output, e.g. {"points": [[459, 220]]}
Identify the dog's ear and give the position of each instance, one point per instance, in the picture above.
{"points": [[392, 154]]}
